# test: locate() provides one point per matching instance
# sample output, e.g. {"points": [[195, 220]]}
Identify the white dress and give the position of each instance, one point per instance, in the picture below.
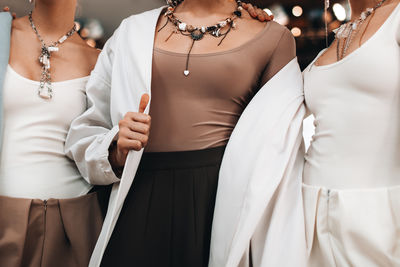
{"points": [[33, 163], [352, 172]]}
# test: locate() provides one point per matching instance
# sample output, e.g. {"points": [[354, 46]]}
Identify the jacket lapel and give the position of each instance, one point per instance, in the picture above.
{"points": [[5, 31], [143, 28], [259, 194], [141, 31]]}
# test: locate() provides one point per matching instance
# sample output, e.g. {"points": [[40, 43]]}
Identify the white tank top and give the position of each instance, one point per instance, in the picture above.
{"points": [[33, 163], [356, 105]]}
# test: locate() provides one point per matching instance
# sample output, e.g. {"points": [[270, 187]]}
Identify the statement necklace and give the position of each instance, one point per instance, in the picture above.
{"points": [[45, 90], [218, 30], [345, 33]]}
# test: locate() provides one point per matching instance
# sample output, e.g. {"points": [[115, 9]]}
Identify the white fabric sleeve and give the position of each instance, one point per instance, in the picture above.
{"points": [[92, 133], [398, 34]]}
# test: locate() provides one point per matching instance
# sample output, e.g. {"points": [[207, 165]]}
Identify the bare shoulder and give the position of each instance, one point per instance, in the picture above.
{"points": [[92, 54], [251, 24], [87, 53], [20, 24], [273, 30]]}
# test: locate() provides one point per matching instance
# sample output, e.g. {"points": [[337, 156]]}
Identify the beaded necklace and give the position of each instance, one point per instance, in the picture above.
{"points": [[345, 33], [197, 33], [45, 88]]}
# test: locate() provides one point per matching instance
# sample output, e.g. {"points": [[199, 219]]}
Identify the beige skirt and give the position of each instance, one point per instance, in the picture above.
{"points": [[56, 232], [352, 227]]}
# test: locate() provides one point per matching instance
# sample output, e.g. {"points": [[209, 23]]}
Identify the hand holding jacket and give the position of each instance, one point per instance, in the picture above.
{"points": [[133, 134]]}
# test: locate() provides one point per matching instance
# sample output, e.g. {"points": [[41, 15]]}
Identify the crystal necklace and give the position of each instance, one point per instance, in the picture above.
{"points": [[45, 88], [197, 33], [345, 33]]}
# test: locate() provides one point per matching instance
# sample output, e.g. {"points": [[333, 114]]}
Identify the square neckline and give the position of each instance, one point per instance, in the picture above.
{"points": [[80, 79]]}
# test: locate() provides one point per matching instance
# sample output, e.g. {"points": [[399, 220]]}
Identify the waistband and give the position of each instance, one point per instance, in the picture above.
{"points": [[97, 191], [181, 159], [50, 201]]}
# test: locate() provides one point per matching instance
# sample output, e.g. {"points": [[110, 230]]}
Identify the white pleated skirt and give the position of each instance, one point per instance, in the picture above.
{"points": [[352, 227]]}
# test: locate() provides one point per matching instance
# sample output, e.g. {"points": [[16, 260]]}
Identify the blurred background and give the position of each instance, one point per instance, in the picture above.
{"points": [[306, 19]]}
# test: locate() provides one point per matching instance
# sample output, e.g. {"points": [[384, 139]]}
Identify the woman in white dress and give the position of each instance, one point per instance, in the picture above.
{"points": [[352, 171]]}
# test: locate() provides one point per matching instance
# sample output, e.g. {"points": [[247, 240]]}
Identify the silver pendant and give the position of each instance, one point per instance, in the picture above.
{"points": [[45, 91], [216, 33], [44, 58], [197, 35], [45, 61], [186, 72], [343, 31], [53, 49]]}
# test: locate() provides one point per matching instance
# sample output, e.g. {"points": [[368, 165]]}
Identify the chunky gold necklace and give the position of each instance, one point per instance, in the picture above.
{"points": [[218, 30]]}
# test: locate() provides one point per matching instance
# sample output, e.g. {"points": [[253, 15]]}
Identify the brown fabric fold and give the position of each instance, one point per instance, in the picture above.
{"points": [[49, 233], [14, 214]]}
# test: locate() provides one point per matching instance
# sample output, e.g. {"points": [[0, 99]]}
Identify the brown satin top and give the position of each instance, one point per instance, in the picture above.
{"points": [[201, 110]]}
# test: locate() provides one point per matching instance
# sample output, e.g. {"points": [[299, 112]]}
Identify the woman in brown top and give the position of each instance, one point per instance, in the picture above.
{"points": [[167, 216], [203, 77]]}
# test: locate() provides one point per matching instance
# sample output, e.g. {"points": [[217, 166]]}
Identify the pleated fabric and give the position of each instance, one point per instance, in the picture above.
{"points": [[58, 232], [167, 216], [354, 227]]}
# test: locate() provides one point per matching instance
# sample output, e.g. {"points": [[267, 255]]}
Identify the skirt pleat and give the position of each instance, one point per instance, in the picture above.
{"points": [[56, 232], [167, 216]]}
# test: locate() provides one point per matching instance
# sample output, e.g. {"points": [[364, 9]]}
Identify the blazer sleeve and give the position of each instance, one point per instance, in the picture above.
{"points": [[92, 133]]}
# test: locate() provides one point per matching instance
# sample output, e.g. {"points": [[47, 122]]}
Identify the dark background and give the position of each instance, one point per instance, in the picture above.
{"points": [[99, 18]]}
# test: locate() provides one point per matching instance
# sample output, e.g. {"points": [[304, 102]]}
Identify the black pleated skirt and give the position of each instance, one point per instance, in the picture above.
{"points": [[167, 216]]}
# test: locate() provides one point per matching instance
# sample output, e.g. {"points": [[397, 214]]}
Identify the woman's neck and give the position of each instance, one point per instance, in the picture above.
{"points": [[204, 7], [359, 6], [54, 18]]}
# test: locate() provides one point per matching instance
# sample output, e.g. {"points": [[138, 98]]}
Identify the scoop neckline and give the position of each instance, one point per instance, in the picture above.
{"points": [[252, 40], [53, 83], [355, 52]]}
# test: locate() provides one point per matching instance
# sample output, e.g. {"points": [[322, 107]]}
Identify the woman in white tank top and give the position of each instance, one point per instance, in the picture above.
{"points": [[352, 171], [49, 214]]}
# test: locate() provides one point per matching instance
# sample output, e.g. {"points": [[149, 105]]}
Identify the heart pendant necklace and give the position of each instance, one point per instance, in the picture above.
{"points": [[197, 33]]}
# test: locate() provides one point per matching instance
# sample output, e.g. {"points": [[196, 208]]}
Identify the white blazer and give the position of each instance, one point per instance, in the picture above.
{"points": [[261, 167]]}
